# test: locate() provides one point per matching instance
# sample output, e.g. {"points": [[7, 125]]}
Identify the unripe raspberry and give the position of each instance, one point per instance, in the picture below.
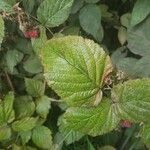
{"points": [[31, 34]]}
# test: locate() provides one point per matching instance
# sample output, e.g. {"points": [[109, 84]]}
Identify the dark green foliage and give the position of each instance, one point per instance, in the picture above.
{"points": [[68, 74]]}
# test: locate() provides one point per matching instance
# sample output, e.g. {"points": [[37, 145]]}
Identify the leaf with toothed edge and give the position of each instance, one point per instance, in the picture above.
{"points": [[75, 67]]}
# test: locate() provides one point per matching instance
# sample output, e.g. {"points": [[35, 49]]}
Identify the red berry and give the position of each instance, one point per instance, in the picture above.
{"points": [[125, 124], [31, 34]]}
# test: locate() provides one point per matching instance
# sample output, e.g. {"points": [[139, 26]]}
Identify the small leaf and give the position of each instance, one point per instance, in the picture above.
{"points": [[24, 124], [125, 20], [140, 11], [107, 147], [52, 13], [7, 114], [92, 1], [132, 100], [38, 43], [34, 88], [122, 35], [90, 16], [5, 133], [146, 135], [25, 136], [5, 7], [42, 138], [36, 66], [13, 57], [75, 67], [1, 30], [92, 121], [76, 6], [24, 107], [43, 105]]}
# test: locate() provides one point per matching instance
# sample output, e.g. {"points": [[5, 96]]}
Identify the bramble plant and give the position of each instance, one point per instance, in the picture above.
{"points": [[74, 74]]}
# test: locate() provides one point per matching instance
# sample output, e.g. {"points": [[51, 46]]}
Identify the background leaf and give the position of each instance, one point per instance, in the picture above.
{"points": [[52, 13], [24, 107], [140, 11], [34, 87], [5, 133], [24, 124], [1, 30], [90, 15], [41, 137]]}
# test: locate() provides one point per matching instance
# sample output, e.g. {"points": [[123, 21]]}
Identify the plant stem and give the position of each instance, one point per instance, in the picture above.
{"points": [[9, 81]]}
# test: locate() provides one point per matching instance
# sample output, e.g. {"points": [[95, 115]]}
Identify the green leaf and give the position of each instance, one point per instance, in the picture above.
{"points": [[36, 66], [38, 43], [43, 105], [146, 135], [52, 13], [13, 57], [76, 6], [24, 107], [122, 35], [7, 114], [25, 136], [75, 67], [69, 135], [92, 121], [24, 124], [140, 11], [90, 20], [1, 30], [125, 20], [5, 133], [5, 7], [132, 100], [35, 88], [92, 1], [42, 138], [107, 147], [136, 43]]}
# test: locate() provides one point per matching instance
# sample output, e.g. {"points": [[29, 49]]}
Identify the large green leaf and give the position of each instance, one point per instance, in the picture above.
{"points": [[132, 100], [52, 13], [24, 124], [140, 11], [42, 138], [24, 106], [75, 67], [90, 20], [93, 121], [146, 135], [1, 29], [5, 133], [68, 135], [7, 114]]}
